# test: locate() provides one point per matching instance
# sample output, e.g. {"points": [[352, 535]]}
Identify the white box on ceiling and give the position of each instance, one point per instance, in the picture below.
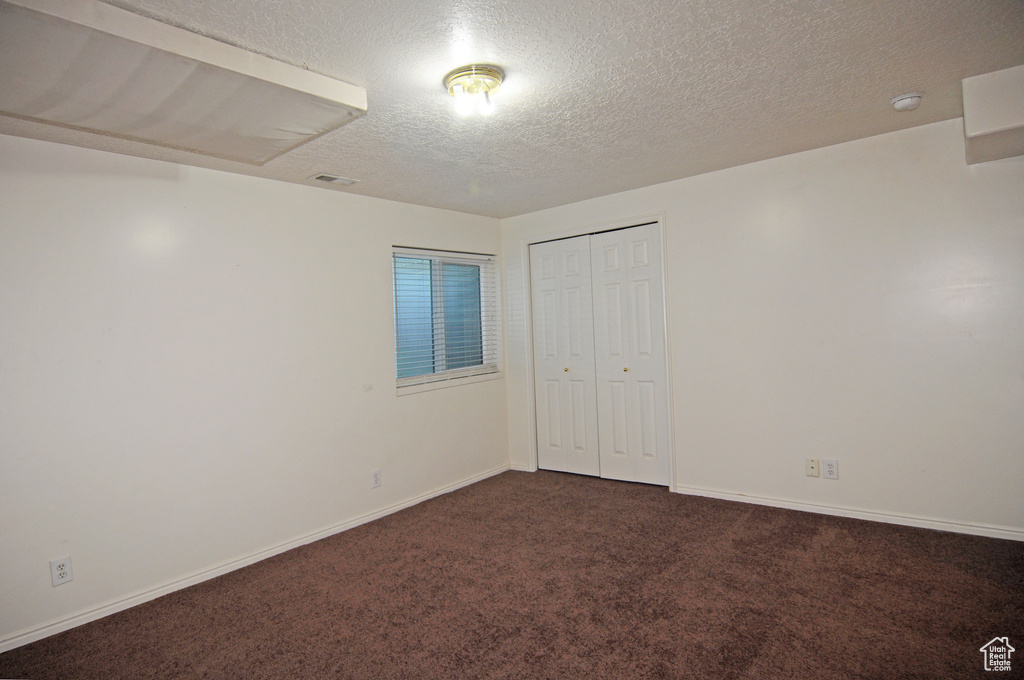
{"points": [[90, 66], [994, 115]]}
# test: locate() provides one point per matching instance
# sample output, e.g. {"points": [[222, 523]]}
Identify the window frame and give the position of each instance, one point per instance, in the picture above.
{"points": [[490, 321]]}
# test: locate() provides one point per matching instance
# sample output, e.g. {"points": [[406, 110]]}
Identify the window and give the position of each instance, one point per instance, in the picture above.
{"points": [[446, 316]]}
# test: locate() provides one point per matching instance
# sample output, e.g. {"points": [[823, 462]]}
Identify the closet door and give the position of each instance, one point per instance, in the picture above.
{"points": [[629, 323], [563, 342]]}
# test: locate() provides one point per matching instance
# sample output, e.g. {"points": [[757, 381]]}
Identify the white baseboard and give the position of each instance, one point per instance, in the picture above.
{"points": [[989, 530], [120, 604], [522, 468]]}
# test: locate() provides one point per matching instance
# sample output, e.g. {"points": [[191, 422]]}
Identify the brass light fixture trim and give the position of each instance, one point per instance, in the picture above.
{"points": [[475, 79]]}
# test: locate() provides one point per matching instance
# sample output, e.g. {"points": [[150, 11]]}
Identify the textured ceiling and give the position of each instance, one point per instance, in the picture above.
{"points": [[600, 96]]}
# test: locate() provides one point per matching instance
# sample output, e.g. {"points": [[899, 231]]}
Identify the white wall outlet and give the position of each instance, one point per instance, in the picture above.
{"points": [[812, 469], [60, 571], [375, 479], [830, 468]]}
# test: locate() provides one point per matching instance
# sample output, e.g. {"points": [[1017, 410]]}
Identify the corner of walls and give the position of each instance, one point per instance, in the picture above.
{"points": [[859, 302], [199, 368]]}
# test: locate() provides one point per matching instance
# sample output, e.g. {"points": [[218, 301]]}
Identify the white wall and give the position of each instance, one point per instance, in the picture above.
{"points": [[196, 366], [863, 302]]}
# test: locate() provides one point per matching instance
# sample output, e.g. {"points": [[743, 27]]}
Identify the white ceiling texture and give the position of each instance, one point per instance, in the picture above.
{"points": [[600, 96]]}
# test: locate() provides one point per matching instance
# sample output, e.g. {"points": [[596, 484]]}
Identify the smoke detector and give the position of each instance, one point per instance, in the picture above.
{"points": [[906, 102]]}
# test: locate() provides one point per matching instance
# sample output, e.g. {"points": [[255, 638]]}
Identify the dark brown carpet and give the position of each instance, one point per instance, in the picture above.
{"points": [[549, 575]]}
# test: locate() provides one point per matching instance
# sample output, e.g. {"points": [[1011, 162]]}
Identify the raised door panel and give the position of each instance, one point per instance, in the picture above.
{"points": [[617, 420], [612, 346], [552, 408]]}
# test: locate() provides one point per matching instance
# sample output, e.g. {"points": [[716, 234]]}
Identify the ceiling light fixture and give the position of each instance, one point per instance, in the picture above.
{"points": [[906, 102], [472, 86]]}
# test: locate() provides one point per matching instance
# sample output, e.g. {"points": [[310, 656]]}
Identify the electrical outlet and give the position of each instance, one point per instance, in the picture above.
{"points": [[375, 479], [830, 468], [60, 571], [813, 470]]}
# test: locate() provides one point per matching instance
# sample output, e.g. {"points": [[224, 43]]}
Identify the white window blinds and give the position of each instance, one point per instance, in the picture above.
{"points": [[447, 323]]}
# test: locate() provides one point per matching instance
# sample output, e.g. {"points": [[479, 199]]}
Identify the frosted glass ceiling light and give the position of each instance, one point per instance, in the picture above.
{"points": [[472, 86]]}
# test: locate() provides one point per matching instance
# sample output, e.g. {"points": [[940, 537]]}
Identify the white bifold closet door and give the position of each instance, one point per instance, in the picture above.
{"points": [[599, 349], [563, 353]]}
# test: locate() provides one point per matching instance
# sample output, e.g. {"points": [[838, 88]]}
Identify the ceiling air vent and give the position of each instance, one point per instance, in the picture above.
{"points": [[87, 65], [333, 179]]}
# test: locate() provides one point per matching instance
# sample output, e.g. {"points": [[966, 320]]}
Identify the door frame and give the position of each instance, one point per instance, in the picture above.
{"points": [[583, 230]]}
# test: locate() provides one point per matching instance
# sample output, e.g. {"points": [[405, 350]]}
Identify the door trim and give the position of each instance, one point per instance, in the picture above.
{"points": [[524, 246]]}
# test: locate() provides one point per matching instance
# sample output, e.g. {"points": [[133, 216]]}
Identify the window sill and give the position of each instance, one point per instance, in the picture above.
{"points": [[451, 382]]}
